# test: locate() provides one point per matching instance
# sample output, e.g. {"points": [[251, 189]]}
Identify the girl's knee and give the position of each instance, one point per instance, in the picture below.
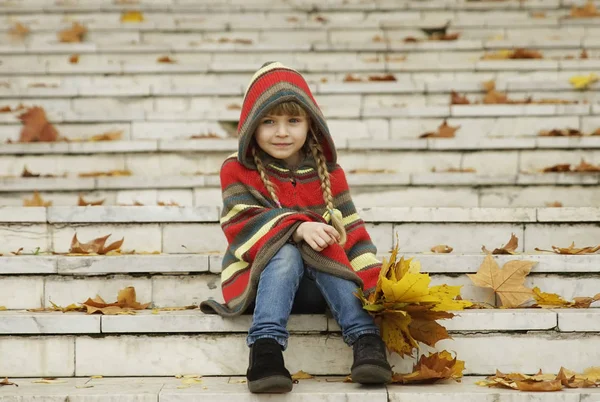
{"points": [[286, 261]]}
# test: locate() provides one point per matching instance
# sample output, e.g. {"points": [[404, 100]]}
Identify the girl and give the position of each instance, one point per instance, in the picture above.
{"points": [[281, 192]]}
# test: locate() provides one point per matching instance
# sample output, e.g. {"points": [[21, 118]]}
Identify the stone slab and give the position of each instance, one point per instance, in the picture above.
{"points": [[23, 322], [33, 356], [95, 265], [125, 214], [26, 264], [587, 320]]}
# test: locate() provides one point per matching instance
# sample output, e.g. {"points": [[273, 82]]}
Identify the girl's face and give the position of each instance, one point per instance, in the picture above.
{"points": [[284, 129]]}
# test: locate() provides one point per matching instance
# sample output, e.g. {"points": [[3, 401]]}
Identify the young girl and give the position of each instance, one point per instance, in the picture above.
{"points": [[293, 232]]}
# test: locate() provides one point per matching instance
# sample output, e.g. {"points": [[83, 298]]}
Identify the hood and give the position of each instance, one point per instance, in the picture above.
{"points": [[273, 84]]}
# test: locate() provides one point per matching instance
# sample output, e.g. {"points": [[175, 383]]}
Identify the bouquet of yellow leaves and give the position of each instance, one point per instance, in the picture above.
{"points": [[406, 308]]}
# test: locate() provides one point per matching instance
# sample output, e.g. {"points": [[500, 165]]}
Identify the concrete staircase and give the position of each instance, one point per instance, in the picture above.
{"points": [[399, 183]]}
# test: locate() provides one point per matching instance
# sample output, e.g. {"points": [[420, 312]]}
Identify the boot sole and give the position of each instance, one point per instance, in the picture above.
{"points": [[277, 384], [371, 374]]}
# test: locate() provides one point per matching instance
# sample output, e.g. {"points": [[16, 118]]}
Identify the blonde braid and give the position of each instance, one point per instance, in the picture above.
{"points": [[321, 162], [265, 177]]}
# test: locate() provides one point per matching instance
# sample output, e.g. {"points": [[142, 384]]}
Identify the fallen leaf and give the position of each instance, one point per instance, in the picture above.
{"points": [[509, 248], [95, 246], [584, 54], [19, 31], [539, 386], [583, 81], [572, 250], [443, 131], [538, 14], [454, 170], [456, 99], [74, 59], [410, 39], [321, 19], [125, 304], [36, 201], [351, 78], [442, 248], [588, 10], [565, 167], [132, 16], [301, 375], [36, 126], [548, 299], [49, 381], [166, 59], [74, 34], [385, 77], [3, 308], [114, 135], [567, 132], [83, 203], [18, 252], [586, 167], [234, 106], [507, 282], [110, 173], [432, 368], [555, 204], [6, 382], [519, 53]]}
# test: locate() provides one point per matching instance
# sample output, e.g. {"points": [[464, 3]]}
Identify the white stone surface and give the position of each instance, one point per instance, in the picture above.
{"points": [[581, 214], [586, 320], [135, 214], [48, 356], [28, 265], [95, 265], [171, 291], [31, 238], [192, 238], [20, 292], [19, 322], [545, 236], [423, 214]]}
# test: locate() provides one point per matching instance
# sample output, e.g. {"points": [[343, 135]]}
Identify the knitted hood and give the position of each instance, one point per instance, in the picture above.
{"points": [[273, 84]]}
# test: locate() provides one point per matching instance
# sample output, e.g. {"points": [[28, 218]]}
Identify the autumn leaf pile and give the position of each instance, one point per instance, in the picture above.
{"points": [[541, 382], [406, 308]]}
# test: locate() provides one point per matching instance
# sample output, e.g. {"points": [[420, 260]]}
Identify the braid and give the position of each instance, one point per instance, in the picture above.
{"points": [[265, 177], [321, 162]]}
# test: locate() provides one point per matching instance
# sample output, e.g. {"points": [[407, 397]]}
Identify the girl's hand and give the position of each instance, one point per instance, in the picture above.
{"points": [[318, 235]]}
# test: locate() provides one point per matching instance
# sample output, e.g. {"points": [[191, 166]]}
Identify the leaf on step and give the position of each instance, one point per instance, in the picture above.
{"points": [[36, 126], [36, 201], [563, 167], [234, 106], [49, 380], [18, 252], [125, 304], [166, 59], [74, 59], [538, 14], [507, 283], [443, 131], [548, 300], [519, 53], [571, 379], [302, 375], [588, 10], [83, 203], [167, 204], [114, 135], [3, 308], [456, 99], [95, 246], [6, 382], [385, 77], [351, 78], [583, 81], [132, 16], [432, 368], [111, 173], [555, 204], [74, 34], [19, 31], [586, 167], [566, 132], [539, 386], [445, 36], [442, 249], [70, 307], [572, 250], [454, 170], [509, 248]]}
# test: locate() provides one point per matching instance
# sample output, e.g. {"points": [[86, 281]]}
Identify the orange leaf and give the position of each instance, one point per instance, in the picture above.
{"points": [[74, 59], [539, 386], [572, 250], [509, 248], [442, 249], [443, 131], [36, 201], [19, 31], [429, 369], [74, 34], [166, 59], [83, 203], [6, 382], [36, 126], [456, 99], [427, 331], [565, 167], [589, 10]]}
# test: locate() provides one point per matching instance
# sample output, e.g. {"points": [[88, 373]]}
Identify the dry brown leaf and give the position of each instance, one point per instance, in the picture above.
{"points": [[167, 204], [351, 78], [166, 59], [572, 250], [586, 167], [454, 170], [566, 132], [19, 31], [110, 173], [456, 99], [36, 201], [565, 167], [234, 106], [321, 19], [74, 59], [6, 382], [410, 39], [27, 173], [74, 34], [588, 10], [519, 53], [442, 249], [432, 368], [385, 77], [114, 135], [509, 248], [584, 54], [555, 204], [538, 14], [36, 126], [507, 282], [443, 131], [539, 386], [95, 246], [125, 304], [18, 252], [83, 203]]}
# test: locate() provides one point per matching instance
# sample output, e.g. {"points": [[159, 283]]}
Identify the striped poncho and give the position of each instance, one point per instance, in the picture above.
{"points": [[255, 229]]}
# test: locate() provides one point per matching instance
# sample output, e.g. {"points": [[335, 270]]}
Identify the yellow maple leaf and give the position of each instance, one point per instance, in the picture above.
{"points": [[395, 332], [445, 296], [548, 299], [507, 282], [132, 16], [411, 288], [583, 81]]}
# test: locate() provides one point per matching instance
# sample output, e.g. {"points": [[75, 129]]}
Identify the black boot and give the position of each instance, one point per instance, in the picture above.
{"points": [[370, 361], [266, 371]]}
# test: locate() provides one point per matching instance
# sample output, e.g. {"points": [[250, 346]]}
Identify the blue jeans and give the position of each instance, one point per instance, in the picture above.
{"points": [[277, 289]]}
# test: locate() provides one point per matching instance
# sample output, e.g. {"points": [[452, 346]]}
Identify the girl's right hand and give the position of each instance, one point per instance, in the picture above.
{"points": [[318, 235]]}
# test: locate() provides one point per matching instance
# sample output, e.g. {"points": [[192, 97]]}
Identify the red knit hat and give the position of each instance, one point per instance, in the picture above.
{"points": [[270, 86]]}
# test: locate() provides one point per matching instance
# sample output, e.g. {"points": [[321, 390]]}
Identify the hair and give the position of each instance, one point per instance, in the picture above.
{"points": [[313, 146]]}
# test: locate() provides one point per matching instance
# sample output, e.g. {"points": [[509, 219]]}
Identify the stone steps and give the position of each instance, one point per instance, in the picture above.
{"points": [[169, 343], [322, 388]]}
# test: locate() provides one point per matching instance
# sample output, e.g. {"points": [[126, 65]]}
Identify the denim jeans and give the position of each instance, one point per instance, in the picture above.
{"points": [[276, 293]]}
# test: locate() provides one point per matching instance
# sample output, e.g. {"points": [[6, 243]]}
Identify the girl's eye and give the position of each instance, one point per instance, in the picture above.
{"points": [[267, 121], [294, 120]]}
